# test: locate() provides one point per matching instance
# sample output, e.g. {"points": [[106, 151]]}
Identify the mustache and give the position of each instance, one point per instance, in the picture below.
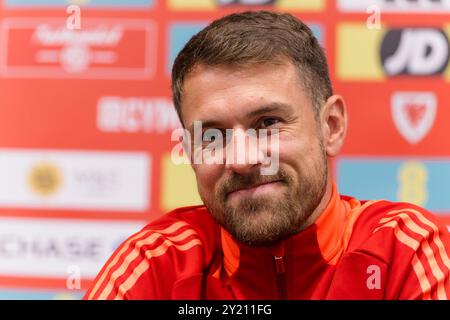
{"points": [[236, 181]]}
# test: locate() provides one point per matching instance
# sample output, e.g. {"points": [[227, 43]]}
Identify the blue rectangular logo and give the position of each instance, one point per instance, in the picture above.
{"points": [[422, 181], [33, 294], [179, 35]]}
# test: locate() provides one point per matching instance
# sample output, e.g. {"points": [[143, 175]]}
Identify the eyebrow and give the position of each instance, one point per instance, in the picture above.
{"points": [[271, 107], [205, 124], [274, 106]]}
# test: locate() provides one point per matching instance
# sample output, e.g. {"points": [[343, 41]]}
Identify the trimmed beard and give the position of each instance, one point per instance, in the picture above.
{"points": [[263, 220]]}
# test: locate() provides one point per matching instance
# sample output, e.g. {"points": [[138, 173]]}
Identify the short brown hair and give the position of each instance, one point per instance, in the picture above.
{"points": [[256, 37]]}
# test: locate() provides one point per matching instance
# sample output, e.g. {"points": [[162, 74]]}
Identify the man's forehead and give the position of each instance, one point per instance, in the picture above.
{"points": [[206, 83], [211, 89]]}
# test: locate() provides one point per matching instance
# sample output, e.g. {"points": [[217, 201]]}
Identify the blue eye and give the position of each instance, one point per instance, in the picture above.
{"points": [[209, 136], [212, 135], [269, 122]]}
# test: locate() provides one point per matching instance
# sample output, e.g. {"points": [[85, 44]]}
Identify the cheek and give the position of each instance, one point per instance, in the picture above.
{"points": [[299, 154], [207, 176]]}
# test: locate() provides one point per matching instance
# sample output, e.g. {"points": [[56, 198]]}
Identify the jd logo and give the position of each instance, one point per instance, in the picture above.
{"points": [[245, 2], [415, 51], [413, 114]]}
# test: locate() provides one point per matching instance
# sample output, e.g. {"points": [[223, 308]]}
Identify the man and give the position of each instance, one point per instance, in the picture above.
{"points": [[284, 235]]}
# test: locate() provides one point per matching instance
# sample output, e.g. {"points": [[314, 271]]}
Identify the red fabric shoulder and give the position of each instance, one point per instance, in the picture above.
{"points": [[149, 263], [414, 245]]}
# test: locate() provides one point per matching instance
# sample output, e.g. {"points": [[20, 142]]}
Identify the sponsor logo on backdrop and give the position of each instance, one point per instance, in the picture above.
{"points": [[136, 114], [308, 5], [423, 181], [104, 4], [413, 114], [77, 180], [44, 179], [364, 54], [47, 248], [103, 48], [416, 6], [415, 52]]}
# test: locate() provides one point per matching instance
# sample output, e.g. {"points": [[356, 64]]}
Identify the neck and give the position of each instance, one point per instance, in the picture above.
{"points": [[322, 204]]}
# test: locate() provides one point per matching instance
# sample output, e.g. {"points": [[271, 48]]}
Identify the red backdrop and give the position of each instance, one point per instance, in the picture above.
{"points": [[86, 117]]}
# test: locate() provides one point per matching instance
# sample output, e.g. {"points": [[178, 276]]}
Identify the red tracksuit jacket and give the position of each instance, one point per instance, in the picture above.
{"points": [[355, 250]]}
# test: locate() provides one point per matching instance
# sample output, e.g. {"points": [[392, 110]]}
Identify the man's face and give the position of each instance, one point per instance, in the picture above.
{"points": [[258, 209]]}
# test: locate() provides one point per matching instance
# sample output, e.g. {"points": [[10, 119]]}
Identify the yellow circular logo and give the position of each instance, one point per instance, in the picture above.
{"points": [[45, 179]]}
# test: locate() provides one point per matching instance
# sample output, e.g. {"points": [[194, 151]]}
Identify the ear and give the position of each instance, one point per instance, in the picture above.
{"points": [[334, 124]]}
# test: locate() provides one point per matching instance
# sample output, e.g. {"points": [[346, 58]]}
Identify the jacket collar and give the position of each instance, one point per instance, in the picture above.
{"points": [[326, 239]]}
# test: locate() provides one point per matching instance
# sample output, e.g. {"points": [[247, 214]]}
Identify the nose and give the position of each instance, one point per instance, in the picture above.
{"points": [[242, 153], [242, 169]]}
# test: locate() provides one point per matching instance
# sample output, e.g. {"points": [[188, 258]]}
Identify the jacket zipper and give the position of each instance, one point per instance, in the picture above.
{"points": [[281, 277]]}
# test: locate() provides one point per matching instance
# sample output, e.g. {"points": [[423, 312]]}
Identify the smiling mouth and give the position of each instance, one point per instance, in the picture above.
{"points": [[265, 187]]}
